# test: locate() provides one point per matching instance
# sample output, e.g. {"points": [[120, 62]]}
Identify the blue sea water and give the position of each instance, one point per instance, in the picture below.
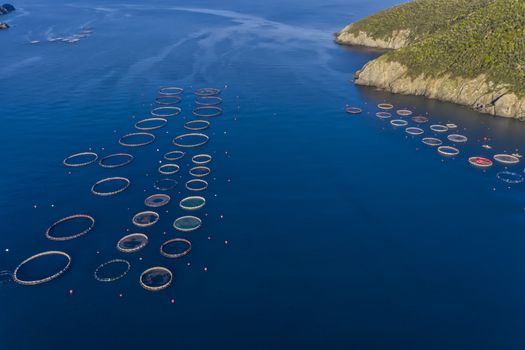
{"points": [[321, 229]]}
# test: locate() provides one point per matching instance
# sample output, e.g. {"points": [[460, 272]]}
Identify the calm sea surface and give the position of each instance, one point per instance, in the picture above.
{"points": [[321, 229]]}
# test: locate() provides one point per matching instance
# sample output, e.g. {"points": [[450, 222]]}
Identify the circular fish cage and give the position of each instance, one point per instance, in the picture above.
{"points": [[456, 138], [419, 119], [132, 243], [207, 111], [166, 111], [155, 123], [170, 91], [197, 125], [187, 223], [414, 131], [180, 140], [169, 169], [353, 110], [157, 200], [125, 140], [385, 106], [156, 278], [41, 279], [196, 185], [506, 159], [398, 122], [107, 180], [438, 128], [192, 203], [404, 112], [172, 242], [165, 184], [432, 141], [174, 155], [108, 161], [201, 159], [200, 171], [51, 229], [112, 270], [383, 115], [207, 92], [480, 162], [145, 218], [70, 160], [451, 126], [510, 177], [208, 100], [168, 100], [448, 151]]}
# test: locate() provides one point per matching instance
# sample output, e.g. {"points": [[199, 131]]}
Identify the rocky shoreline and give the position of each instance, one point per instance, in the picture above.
{"points": [[397, 40], [478, 94]]}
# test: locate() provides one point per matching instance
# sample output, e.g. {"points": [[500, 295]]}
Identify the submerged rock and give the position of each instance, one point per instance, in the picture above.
{"points": [[3, 25]]}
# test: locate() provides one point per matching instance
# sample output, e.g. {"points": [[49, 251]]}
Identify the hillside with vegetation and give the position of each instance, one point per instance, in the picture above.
{"points": [[478, 61], [404, 24]]}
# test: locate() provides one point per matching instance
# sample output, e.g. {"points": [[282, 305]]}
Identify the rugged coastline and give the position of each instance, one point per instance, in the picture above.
{"points": [[476, 62]]}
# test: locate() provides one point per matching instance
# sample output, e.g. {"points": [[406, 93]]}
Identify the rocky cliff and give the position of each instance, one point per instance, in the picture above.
{"points": [[478, 93]]}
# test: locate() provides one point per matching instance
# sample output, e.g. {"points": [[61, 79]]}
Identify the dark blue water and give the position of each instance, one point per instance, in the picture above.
{"points": [[342, 232]]}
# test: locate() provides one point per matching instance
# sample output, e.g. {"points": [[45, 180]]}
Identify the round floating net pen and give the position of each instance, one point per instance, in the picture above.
{"points": [[451, 126], [96, 189], [5, 277], [187, 223], [136, 139], [207, 111], [510, 177], [383, 115], [112, 270], [201, 159], [175, 248], [166, 111], [37, 277], [157, 200], [353, 110], [151, 124], [456, 138], [174, 155], [448, 151], [404, 112], [87, 220], [419, 119], [165, 184], [168, 100], [432, 141], [191, 140], [208, 100], [116, 160], [132, 243], [196, 185], [145, 218], [80, 159], [414, 131], [385, 106], [398, 122], [169, 169], [438, 128], [480, 162], [156, 278], [506, 159], [200, 171], [197, 125], [192, 203], [207, 92], [171, 91]]}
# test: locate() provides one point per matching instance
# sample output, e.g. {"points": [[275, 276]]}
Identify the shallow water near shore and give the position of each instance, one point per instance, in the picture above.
{"points": [[320, 229]]}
